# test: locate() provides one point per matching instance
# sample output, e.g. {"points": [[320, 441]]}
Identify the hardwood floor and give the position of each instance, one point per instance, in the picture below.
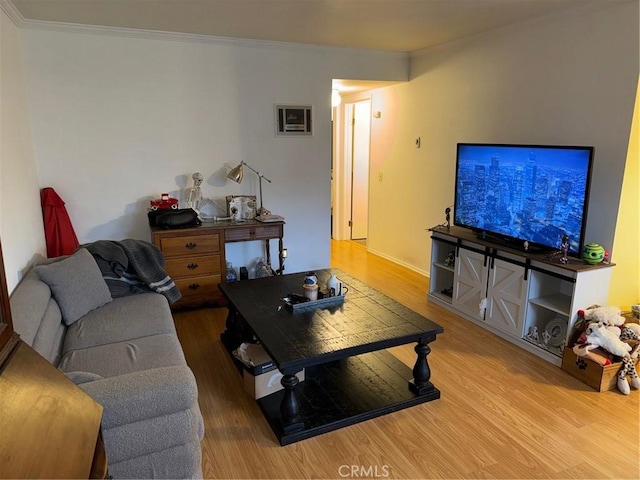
{"points": [[504, 413]]}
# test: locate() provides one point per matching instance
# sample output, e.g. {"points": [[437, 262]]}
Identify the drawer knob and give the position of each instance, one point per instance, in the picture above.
{"points": [[191, 245], [194, 286], [192, 266]]}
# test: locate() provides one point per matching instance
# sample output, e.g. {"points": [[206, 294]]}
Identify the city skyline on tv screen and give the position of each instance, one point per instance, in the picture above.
{"points": [[531, 193]]}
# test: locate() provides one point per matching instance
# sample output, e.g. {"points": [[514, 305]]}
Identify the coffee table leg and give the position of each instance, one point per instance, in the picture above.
{"points": [[420, 384], [235, 332], [290, 408]]}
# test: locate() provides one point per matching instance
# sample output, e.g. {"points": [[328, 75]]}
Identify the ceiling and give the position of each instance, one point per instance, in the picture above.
{"points": [[394, 25], [391, 25]]}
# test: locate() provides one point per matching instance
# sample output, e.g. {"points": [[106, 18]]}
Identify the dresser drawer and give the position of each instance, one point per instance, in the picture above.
{"points": [[267, 231], [198, 286], [238, 234], [258, 232], [190, 245], [189, 266]]}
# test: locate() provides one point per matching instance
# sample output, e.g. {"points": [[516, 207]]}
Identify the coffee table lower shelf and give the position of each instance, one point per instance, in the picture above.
{"points": [[341, 393]]}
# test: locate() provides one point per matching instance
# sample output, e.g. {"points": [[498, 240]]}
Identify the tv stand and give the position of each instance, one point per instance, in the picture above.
{"points": [[527, 297]]}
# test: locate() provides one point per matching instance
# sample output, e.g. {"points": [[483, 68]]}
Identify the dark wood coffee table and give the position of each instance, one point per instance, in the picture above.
{"points": [[349, 377]]}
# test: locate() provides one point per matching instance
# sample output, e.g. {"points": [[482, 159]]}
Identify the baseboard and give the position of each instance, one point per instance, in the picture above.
{"points": [[399, 262]]}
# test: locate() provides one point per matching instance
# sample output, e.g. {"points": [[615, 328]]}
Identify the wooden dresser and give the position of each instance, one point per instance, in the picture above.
{"points": [[195, 257]]}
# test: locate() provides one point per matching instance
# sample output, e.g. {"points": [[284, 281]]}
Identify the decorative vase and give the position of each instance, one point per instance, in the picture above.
{"points": [[232, 276]]}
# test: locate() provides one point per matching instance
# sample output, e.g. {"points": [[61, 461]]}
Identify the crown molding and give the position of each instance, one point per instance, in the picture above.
{"points": [[574, 12], [12, 12], [190, 37]]}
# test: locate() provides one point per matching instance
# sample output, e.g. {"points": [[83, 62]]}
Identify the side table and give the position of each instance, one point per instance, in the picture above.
{"points": [[195, 257]]}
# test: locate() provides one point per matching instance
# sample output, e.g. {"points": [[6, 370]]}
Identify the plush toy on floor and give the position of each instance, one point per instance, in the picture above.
{"points": [[610, 317], [630, 333], [606, 328], [598, 334], [628, 368]]}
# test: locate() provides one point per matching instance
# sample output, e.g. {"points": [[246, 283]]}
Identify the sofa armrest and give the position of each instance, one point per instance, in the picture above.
{"points": [[140, 395]]}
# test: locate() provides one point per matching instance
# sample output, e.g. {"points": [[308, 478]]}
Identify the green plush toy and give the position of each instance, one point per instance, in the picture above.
{"points": [[592, 253]]}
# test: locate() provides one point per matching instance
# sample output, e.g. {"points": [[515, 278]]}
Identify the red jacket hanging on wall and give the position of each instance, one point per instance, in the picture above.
{"points": [[58, 232]]}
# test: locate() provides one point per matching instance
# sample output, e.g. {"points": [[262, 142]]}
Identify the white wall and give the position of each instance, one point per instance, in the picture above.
{"points": [[567, 79], [117, 120], [20, 213]]}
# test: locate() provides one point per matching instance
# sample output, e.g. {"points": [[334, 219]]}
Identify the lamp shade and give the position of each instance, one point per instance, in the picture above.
{"points": [[236, 174]]}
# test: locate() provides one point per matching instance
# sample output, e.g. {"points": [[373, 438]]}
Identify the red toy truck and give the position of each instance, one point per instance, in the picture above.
{"points": [[165, 203]]}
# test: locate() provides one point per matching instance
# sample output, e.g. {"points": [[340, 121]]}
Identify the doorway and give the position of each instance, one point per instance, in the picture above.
{"points": [[361, 140], [350, 173]]}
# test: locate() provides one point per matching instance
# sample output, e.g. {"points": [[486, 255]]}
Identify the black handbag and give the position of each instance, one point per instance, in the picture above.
{"points": [[179, 218]]}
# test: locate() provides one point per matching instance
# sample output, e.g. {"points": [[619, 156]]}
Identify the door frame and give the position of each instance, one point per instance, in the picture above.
{"points": [[341, 174], [360, 159]]}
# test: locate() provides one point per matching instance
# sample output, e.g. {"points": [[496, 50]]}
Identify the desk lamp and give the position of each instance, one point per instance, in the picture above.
{"points": [[236, 175]]}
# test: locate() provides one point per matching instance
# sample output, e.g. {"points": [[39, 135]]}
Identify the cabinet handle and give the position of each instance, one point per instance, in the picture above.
{"points": [[191, 245], [192, 266], [194, 286]]}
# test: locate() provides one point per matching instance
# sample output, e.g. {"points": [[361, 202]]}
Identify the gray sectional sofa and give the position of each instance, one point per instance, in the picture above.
{"points": [[125, 353]]}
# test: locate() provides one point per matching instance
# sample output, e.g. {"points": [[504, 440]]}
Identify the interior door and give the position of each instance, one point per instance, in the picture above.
{"points": [[361, 133]]}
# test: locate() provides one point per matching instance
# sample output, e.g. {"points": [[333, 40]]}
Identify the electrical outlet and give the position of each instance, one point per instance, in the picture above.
{"points": [[380, 176], [418, 141]]}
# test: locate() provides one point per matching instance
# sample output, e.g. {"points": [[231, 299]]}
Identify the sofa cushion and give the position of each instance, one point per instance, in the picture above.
{"points": [[122, 319], [76, 284], [152, 435], [50, 336], [29, 301], [139, 396], [126, 357], [182, 461], [82, 377]]}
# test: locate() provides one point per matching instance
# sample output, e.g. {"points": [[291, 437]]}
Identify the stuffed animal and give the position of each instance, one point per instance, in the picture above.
{"points": [[630, 334], [633, 331], [605, 327], [609, 316], [599, 334], [627, 368]]}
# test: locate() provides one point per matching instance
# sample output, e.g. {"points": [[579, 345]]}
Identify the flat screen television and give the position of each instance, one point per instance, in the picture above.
{"points": [[516, 193]]}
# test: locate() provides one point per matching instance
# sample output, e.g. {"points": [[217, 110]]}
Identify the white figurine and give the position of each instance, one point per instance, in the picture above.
{"points": [[195, 195], [564, 249]]}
